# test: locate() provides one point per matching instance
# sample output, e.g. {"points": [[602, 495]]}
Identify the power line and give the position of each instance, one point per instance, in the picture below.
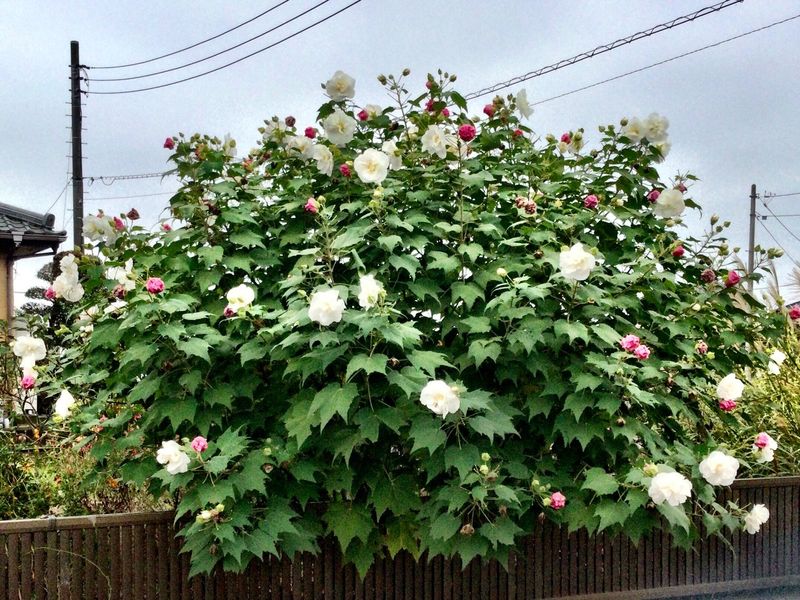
{"points": [[132, 196], [791, 233], [604, 48], [198, 61], [783, 195], [774, 239], [114, 178], [663, 62], [288, 37], [61, 193], [144, 62]]}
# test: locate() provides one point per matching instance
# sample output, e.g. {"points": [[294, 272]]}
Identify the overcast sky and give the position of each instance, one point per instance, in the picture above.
{"points": [[733, 110]]}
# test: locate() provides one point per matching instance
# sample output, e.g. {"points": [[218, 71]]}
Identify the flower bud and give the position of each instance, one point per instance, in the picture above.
{"points": [[484, 469], [714, 219], [219, 508], [467, 529], [547, 501], [382, 79], [406, 72], [485, 457], [501, 272], [623, 122], [650, 469]]}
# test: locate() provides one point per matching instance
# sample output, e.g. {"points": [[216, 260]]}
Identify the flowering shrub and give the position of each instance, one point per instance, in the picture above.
{"points": [[413, 328]]}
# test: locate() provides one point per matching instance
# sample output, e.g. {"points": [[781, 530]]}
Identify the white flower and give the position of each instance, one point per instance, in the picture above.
{"points": [[576, 263], [655, 128], [390, 148], [341, 86], [634, 130], [273, 129], [64, 404], [115, 306], [371, 166], [730, 388], [326, 307], [757, 516], [69, 266], [173, 457], [775, 361], [99, 227], [718, 468], [766, 453], [562, 147], [440, 397], [33, 348], [324, 159], [123, 275], [672, 488], [669, 204], [229, 146], [435, 141], [411, 132], [369, 292], [234, 204], [373, 110], [523, 106], [71, 291], [339, 127], [301, 146], [663, 147], [241, 296]]}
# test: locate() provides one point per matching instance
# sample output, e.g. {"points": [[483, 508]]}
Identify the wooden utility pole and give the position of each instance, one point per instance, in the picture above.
{"points": [[752, 243], [77, 145]]}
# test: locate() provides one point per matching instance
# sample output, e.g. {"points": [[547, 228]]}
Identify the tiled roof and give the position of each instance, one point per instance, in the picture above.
{"points": [[28, 231]]}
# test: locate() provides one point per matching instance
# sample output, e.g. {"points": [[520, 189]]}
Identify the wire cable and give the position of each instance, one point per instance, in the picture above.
{"points": [[114, 178], [605, 48], [61, 193], [219, 35], [769, 196], [663, 62], [128, 197], [198, 61], [288, 37], [774, 239], [782, 224]]}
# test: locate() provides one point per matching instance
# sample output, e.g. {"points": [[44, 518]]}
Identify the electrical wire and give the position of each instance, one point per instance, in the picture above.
{"points": [[61, 193], [782, 195], [774, 239], [114, 178], [663, 62], [219, 35], [200, 60], [288, 37], [605, 48], [128, 197], [782, 224]]}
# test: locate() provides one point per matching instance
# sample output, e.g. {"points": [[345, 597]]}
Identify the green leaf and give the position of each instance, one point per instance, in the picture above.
{"points": [[675, 515], [426, 433], [468, 292], [332, 399], [600, 482], [196, 347], [353, 235], [445, 526], [406, 262], [210, 255], [607, 334], [399, 495], [572, 330], [503, 531], [480, 350], [348, 522], [611, 513], [253, 350], [464, 459], [495, 424], [375, 363], [428, 361]]}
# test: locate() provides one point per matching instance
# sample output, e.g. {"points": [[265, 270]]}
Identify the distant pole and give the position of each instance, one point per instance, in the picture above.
{"points": [[752, 243], [77, 145]]}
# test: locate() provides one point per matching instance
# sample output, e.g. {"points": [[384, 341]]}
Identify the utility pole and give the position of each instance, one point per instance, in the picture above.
{"points": [[77, 145], [752, 243]]}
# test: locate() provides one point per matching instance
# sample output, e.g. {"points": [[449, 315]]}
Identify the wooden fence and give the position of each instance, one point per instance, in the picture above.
{"points": [[136, 557]]}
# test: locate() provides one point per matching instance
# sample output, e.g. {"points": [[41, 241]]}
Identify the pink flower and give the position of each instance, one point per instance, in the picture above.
{"points": [[119, 292], [169, 143], [429, 84], [345, 170], [467, 132], [732, 279], [199, 444], [630, 342], [488, 110], [681, 187], [166, 227], [311, 133], [794, 313], [28, 382], [517, 133], [290, 121], [727, 405], [312, 206], [591, 201], [363, 115], [118, 224], [701, 347], [566, 138], [708, 276], [557, 500], [678, 251], [50, 293], [762, 440], [653, 195], [154, 285], [445, 112], [228, 312], [641, 352]]}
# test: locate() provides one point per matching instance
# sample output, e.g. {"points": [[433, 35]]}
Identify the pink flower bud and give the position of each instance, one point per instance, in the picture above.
{"points": [[557, 500], [727, 405], [701, 347], [290, 121], [119, 291], [445, 112], [488, 110], [169, 143], [312, 206], [429, 105], [166, 227], [154, 285], [118, 224], [591, 201], [641, 352], [311, 133], [50, 293], [762, 440], [794, 313], [363, 115], [629, 342], [516, 133], [653, 195], [133, 214], [345, 170], [199, 444], [566, 138], [467, 132], [228, 312], [708, 275], [732, 279], [28, 382], [678, 251], [429, 84], [681, 187]]}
